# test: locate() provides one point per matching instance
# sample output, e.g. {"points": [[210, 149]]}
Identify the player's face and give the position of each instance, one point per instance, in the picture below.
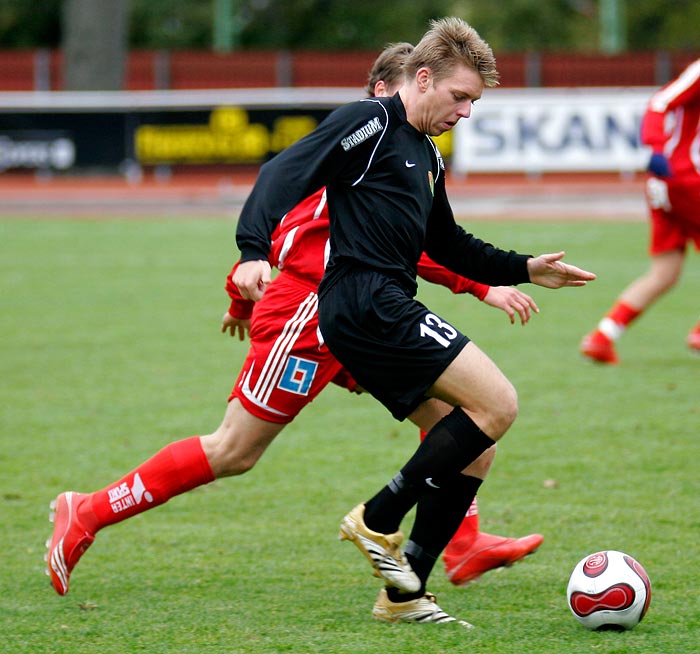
{"points": [[447, 100]]}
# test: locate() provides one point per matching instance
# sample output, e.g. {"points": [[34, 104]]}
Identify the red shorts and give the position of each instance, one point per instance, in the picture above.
{"points": [[287, 364], [675, 221]]}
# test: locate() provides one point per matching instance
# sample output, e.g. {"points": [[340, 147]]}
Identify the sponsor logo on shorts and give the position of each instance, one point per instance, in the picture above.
{"points": [[298, 375]]}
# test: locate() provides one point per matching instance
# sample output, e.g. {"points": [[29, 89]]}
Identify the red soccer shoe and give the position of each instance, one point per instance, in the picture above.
{"points": [[485, 553], [599, 348], [694, 338], [68, 542]]}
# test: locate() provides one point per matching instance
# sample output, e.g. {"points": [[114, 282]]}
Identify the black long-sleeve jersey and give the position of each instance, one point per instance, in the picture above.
{"points": [[386, 199]]}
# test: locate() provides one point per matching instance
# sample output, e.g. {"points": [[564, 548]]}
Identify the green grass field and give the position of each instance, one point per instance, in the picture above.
{"points": [[111, 348]]}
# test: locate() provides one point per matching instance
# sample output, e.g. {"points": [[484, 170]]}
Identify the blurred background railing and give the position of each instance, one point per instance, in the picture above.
{"points": [[41, 69]]}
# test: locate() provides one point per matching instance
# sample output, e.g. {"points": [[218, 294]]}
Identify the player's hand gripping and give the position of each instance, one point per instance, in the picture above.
{"points": [[550, 271], [252, 278], [511, 300], [235, 325]]}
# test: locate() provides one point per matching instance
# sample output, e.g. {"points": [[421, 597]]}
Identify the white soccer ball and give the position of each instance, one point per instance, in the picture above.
{"points": [[609, 590]]}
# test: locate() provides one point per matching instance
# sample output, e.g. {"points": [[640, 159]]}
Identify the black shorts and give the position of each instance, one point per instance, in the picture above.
{"points": [[393, 345]]}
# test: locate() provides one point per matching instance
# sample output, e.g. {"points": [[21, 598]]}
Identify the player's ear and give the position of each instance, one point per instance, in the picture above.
{"points": [[423, 77], [380, 89]]}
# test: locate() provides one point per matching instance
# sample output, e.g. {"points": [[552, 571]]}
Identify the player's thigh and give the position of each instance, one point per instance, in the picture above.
{"points": [[475, 383], [668, 266], [287, 365]]}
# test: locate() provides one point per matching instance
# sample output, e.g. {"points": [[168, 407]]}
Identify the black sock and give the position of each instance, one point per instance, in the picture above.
{"points": [[438, 516], [384, 512], [449, 447]]}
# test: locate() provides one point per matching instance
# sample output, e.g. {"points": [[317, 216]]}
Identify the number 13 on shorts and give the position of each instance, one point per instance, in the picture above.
{"points": [[437, 329]]}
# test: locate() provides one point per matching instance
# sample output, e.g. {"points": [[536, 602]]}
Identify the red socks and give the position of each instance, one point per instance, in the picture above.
{"points": [[623, 314], [177, 468], [469, 528], [617, 320]]}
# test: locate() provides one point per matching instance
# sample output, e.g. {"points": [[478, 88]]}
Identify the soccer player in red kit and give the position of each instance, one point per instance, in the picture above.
{"points": [[286, 367], [671, 128]]}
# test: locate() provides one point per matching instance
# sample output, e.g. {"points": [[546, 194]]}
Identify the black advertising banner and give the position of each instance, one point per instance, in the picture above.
{"points": [[111, 140]]}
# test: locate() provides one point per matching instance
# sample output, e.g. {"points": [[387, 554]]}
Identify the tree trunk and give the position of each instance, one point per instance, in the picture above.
{"points": [[94, 44]]}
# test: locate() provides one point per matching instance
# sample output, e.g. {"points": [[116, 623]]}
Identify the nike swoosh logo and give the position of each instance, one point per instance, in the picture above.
{"points": [[409, 164], [429, 480]]}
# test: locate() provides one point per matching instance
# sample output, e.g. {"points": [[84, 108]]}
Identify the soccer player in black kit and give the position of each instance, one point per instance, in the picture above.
{"points": [[386, 193]]}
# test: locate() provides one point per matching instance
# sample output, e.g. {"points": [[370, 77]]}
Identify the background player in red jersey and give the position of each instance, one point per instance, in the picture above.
{"points": [[671, 127], [286, 367]]}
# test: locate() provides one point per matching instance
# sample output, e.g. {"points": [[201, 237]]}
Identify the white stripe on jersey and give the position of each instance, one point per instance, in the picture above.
{"points": [[379, 140], [279, 354], [695, 150], [291, 234], [321, 204], [245, 387], [286, 246], [438, 156], [661, 99], [673, 123]]}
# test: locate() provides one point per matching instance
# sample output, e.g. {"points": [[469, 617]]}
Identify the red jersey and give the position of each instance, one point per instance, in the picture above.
{"points": [[300, 249], [671, 125]]}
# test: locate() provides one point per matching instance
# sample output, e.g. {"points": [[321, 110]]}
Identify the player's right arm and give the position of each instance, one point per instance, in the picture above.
{"points": [[237, 319], [303, 168]]}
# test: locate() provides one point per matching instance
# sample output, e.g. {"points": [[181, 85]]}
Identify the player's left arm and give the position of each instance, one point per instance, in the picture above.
{"points": [[447, 243], [436, 274], [550, 271], [465, 254], [510, 300]]}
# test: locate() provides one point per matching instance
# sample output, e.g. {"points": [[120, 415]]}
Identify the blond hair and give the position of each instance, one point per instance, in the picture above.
{"points": [[449, 42], [388, 67]]}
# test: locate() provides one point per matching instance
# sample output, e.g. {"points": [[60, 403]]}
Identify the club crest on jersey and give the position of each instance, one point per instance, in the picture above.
{"points": [[362, 134], [298, 375], [431, 182]]}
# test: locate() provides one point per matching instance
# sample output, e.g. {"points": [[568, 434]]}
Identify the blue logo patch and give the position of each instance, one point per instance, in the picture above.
{"points": [[298, 375]]}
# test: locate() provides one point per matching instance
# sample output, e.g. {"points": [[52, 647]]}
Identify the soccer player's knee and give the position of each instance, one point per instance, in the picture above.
{"points": [[237, 463], [228, 454], [506, 410]]}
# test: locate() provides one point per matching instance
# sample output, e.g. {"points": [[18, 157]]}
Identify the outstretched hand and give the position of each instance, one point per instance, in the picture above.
{"points": [[236, 326], [550, 271], [252, 278]]}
